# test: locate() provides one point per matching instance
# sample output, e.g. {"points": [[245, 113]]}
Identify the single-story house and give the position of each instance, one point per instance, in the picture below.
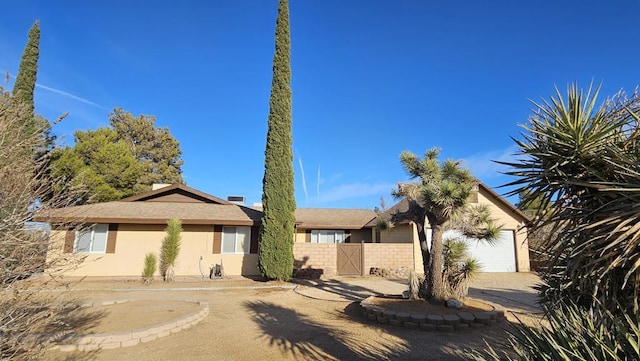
{"points": [[114, 237]]}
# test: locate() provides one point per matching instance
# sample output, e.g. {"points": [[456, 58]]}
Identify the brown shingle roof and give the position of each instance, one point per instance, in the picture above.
{"points": [[333, 218], [195, 207], [176, 188], [154, 213]]}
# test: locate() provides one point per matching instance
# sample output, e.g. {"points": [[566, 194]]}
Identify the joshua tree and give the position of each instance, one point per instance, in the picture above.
{"points": [[441, 196]]}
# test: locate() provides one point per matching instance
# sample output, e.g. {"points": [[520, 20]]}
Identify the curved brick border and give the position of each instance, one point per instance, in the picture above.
{"points": [[428, 322], [131, 338]]}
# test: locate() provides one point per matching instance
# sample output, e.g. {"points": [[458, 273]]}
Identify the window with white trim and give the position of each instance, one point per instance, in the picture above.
{"points": [[236, 240], [91, 240], [327, 236]]}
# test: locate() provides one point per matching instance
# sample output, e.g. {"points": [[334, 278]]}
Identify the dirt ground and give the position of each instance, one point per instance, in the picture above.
{"points": [[249, 322]]}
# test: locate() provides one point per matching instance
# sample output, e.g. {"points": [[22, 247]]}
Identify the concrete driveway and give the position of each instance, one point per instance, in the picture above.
{"points": [[513, 291]]}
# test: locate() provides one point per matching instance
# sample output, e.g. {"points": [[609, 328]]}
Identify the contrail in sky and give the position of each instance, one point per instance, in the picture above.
{"points": [[304, 181], [318, 183], [69, 95], [63, 93]]}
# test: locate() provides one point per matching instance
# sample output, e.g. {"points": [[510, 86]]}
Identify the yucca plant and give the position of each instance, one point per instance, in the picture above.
{"points": [[150, 266], [170, 249], [572, 334], [459, 267], [582, 163]]}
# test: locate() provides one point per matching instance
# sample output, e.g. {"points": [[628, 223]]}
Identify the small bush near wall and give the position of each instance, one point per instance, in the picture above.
{"points": [[150, 266]]}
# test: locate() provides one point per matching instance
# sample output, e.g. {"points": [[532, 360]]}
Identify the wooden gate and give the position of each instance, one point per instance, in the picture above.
{"points": [[349, 259]]}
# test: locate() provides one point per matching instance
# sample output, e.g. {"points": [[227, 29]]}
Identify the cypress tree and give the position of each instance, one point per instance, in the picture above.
{"points": [[26, 79], [277, 228]]}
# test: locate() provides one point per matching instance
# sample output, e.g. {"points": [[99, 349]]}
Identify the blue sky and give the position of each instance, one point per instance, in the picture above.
{"points": [[371, 78]]}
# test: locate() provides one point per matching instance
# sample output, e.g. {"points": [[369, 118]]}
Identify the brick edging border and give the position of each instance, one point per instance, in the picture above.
{"points": [[113, 340], [461, 321]]}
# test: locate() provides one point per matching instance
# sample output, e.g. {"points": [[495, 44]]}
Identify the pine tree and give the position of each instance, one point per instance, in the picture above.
{"points": [[277, 229], [26, 79]]}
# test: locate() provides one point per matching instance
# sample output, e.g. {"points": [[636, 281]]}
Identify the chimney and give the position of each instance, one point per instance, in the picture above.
{"points": [[239, 200]]}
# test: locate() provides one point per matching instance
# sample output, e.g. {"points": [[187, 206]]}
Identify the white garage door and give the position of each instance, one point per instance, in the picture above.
{"points": [[499, 257]]}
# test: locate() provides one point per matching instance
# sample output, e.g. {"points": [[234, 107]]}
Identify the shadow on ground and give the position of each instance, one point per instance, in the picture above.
{"points": [[296, 334], [346, 290]]}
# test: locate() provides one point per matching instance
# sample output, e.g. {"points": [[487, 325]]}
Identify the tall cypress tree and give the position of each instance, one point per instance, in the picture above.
{"points": [[277, 229], [26, 79]]}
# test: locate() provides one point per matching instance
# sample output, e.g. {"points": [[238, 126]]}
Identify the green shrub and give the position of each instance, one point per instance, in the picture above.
{"points": [[170, 249], [150, 266]]}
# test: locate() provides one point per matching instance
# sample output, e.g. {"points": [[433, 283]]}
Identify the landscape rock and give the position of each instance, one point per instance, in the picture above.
{"points": [[453, 303]]}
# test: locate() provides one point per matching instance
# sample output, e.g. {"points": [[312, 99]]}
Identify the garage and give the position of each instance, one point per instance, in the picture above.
{"points": [[498, 257]]}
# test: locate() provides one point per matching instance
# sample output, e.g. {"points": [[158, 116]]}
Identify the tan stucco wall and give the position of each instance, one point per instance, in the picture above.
{"points": [[401, 233], [135, 241], [360, 235], [300, 236]]}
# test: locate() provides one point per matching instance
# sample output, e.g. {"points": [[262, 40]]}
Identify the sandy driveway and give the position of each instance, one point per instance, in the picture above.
{"points": [[302, 323]]}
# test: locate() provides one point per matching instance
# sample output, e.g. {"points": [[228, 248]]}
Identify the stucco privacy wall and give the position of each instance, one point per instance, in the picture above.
{"points": [[135, 241]]}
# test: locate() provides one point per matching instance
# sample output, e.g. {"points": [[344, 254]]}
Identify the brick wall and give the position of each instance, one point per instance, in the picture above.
{"points": [[317, 260], [396, 257]]}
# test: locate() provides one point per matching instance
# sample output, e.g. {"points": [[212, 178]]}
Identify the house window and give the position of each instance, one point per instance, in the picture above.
{"points": [[236, 239], [91, 240], [327, 236]]}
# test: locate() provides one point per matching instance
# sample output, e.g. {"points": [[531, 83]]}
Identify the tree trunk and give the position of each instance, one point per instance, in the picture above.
{"points": [[436, 283], [424, 247], [169, 274], [426, 258]]}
